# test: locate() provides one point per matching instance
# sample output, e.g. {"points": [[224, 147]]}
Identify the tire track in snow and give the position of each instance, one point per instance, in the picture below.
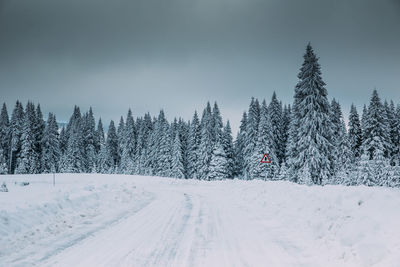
{"points": [[150, 237], [169, 244]]}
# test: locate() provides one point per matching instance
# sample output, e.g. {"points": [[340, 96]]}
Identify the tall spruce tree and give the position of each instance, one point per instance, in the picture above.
{"points": [[121, 142], [391, 122], [341, 147], [129, 147], [99, 135], [177, 170], [266, 171], [312, 117], [218, 168], [239, 148], [193, 147], [27, 161], [104, 158], [63, 141], [355, 134], [216, 122], [112, 145], [16, 125], [285, 130], [376, 134], [50, 146], [227, 144], [183, 131], [396, 137], [3, 163], [206, 143], [4, 135], [89, 131], [73, 158], [144, 133], [275, 116], [38, 130], [162, 156], [364, 117], [253, 120]]}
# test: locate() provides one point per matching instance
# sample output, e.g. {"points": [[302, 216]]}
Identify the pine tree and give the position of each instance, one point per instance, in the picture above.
{"points": [[266, 171], [183, 132], [144, 142], [151, 157], [163, 148], [177, 170], [89, 132], [99, 136], [129, 147], [283, 172], [285, 129], [50, 146], [38, 130], [4, 136], [345, 166], [364, 170], [3, 163], [73, 160], [276, 118], [253, 120], [227, 144], [16, 125], [396, 137], [216, 122], [121, 142], [305, 175], [112, 145], [312, 117], [239, 148], [63, 141], [104, 158], [291, 151], [376, 134], [206, 143], [355, 134], [173, 130], [27, 161], [364, 118], [218, 163], [393, 131], [394, 176], [73, 121], [380, 168], [193, 147], [341, 147]]}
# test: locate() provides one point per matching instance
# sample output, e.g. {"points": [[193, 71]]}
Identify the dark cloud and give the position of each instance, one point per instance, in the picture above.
{"points": [[177, 54]]}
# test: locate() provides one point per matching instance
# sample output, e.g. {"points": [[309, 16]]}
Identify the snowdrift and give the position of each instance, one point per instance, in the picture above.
{"points": [[115, 220]]}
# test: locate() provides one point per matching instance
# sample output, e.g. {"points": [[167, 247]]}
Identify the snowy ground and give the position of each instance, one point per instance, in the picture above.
{"points": [[111, 220]]}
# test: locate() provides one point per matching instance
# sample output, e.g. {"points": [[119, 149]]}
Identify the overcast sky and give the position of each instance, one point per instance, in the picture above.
{"points": [[178, 54]]}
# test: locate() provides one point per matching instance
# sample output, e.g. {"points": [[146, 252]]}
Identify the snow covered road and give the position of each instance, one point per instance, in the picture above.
{"points": [[181, 227], [150, 221]]}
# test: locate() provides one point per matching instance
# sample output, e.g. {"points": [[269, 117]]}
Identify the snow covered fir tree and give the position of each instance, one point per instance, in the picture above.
{"points": [[307, 141]]}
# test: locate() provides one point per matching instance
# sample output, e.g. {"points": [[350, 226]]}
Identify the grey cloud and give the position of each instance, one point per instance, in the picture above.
{"points": [[118, 54]]}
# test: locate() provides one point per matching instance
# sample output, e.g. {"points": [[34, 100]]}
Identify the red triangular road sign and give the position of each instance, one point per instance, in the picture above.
{"points": [[265, 159]]}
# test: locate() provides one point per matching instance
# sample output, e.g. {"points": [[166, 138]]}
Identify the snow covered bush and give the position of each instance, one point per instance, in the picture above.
{"points": [[3, 187]]}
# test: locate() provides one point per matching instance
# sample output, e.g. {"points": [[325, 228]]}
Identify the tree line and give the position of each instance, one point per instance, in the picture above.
{"points": [[308, 141]]}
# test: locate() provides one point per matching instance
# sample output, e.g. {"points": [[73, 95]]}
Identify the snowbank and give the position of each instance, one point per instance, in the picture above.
{"points": [[38, 220], [171, 222]]}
